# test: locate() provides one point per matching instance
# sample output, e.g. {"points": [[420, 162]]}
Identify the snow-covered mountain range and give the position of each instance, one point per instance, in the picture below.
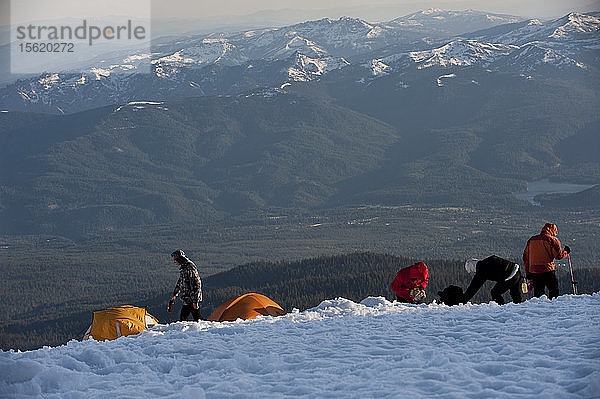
{"points": [[526, 47], [227, 63], [539, 348]]}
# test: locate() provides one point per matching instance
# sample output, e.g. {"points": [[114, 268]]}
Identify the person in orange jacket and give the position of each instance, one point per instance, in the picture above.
{"points": [[410, 282], [538, 258]]}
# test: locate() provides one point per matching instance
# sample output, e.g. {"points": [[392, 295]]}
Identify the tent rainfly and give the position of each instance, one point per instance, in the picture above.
{"points": [[118, 321], [247, 306]]}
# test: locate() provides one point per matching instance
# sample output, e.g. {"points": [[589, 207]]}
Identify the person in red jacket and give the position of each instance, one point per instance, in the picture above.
{"points": [[410, 282], [538, 258]]}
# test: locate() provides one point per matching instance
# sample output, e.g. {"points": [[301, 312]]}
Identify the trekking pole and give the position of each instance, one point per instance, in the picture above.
{"points": [[573, 282]]}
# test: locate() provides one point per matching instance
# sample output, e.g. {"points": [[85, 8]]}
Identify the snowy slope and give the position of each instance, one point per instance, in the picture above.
{"points": [[375, 349], [458, 52], [572, 40], [532, 57], [462, 53]]}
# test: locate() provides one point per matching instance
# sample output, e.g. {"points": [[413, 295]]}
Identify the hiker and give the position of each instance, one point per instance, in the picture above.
{"points": [[505, 273], [188, 285], [410, 282], [538, 258]]}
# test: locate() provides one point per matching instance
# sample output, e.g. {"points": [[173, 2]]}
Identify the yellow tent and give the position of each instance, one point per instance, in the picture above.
{"points": [[118, 321], [246, 307]]}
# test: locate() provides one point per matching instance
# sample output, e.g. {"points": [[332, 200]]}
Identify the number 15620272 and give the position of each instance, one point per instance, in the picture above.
{"points": [[47, 47]]}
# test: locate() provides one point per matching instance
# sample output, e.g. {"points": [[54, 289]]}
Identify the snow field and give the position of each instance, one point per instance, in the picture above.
{"points": [[340, 349]]}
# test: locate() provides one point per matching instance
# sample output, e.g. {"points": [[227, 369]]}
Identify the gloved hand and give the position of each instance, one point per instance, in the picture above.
{"points": [[567, 249], [418, 294], [170, 306]]}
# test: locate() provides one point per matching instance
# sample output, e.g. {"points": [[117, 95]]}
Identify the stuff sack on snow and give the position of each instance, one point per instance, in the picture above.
{"points": [[451, 295]]}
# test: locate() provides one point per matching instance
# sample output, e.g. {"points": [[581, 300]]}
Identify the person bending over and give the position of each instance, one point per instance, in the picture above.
{"points": [[505, 273], [410, 282]]}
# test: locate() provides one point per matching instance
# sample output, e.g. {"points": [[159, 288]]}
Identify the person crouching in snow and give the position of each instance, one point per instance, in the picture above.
{"points": [[188, 286], [410, 282], [505, 273], [538, 258]]}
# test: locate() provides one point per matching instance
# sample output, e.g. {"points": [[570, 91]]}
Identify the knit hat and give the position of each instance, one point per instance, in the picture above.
{"points": [[471, 265]]}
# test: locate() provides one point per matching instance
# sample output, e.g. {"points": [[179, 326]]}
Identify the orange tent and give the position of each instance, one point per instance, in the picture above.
{"points": [[246, 307], [119, 321]]}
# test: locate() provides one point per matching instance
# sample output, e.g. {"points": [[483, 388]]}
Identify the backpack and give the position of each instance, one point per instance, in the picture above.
{"points": [[451, 295]]}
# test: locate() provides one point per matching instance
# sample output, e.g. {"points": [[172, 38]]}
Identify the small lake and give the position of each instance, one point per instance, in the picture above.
{"points": [[545, 186]]}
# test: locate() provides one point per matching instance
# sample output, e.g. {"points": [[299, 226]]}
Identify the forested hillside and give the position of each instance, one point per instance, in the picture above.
{"points": [[203, 160], [190, 161]]}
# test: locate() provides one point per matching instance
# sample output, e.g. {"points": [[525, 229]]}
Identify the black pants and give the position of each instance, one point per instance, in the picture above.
{"points": [[543, 280], [186, 310], [514, 285]]}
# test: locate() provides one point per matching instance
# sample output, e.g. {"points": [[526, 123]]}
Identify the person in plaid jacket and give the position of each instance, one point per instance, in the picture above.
{"points": [[189, 286]]}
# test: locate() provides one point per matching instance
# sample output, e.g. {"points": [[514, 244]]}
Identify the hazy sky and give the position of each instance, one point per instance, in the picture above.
{"points": [[228, 9], [240, 7]]}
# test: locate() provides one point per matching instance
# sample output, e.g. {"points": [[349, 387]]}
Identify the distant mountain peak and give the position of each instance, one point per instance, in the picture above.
{"points": [[453, 22], [354, 20], [306, 68], [344, 20], [461, 52], [576, 23], [430, 11]]}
